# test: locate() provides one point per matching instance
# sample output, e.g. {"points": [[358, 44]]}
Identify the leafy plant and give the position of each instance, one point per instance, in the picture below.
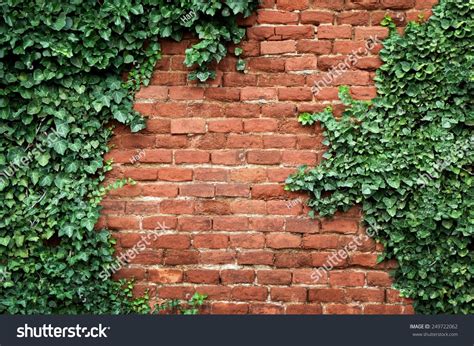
{"points": [[407, 158], [176, 306], [61, 83]]}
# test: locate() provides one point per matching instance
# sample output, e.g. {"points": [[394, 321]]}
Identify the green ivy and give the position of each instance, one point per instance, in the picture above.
{"points": [[61, 83], [407, 158]]}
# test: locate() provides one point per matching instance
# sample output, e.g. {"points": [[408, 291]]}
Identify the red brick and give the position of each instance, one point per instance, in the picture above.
{"points": [[354, 18], [296, 32], [393, 296], [266, 64], [249, 293], [156, 222], [260, 125], [261, 33], [210, 241], [398, 4], [309, 276], [288, 294], [365, 294], [301, 63], [229, 308], [425, 4], [302, 226], [175, 292], [383, 309], [279, 110], [326, 295], [241, 110], [320, 241], [279, 141], [292, 260], [222, 94], [253, 93], [186, 93], [202, 276], [295, 94], [177, 207], [189, 125], [194, 223], [225, 125], [152, 92], [137, 141], [231, 276], [232, 190], [364, 259], [342, 309], [282, 79], [248, 175], [315, 47], [255, 257], [264, 224], [317, 17], [266, 309], [248, 207], [175, 174], [329, 4], [276, 17], [210, 174], [278, 47], [274, 277], [214, 292], [263, 157], [191, 156], [244, 141], [230, 223], [239, 79], [197, 190], [299, 157], [217, 257], [168, 78], [334, 31], [137, 274], [339, 225], [346, 278], [365, 33], [171, 241], [292, 5], [179, 257], [379, 279], [247, 241], [213, 207], [227, 157], [304, 309], [165, 276], [123, 222]]}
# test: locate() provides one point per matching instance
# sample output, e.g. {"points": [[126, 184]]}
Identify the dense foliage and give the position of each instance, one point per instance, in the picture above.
{"points": [[407, 158], [61, 69]]}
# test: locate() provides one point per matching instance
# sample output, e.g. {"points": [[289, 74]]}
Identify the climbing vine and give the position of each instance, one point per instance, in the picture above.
{"points": [[61, 83], [407, 158]]}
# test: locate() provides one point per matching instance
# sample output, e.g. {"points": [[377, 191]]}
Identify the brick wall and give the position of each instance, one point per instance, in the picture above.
{"points": [[211, 164]]}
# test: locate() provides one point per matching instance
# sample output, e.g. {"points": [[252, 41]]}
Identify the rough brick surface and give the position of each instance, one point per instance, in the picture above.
{"points": [[209, 202]]}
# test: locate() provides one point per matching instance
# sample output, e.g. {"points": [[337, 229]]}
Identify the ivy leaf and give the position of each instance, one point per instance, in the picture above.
{"points": [[60, 146]]}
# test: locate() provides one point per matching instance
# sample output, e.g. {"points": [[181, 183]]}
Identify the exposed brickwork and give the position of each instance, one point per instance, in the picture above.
{"points": [[212, 162]]}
